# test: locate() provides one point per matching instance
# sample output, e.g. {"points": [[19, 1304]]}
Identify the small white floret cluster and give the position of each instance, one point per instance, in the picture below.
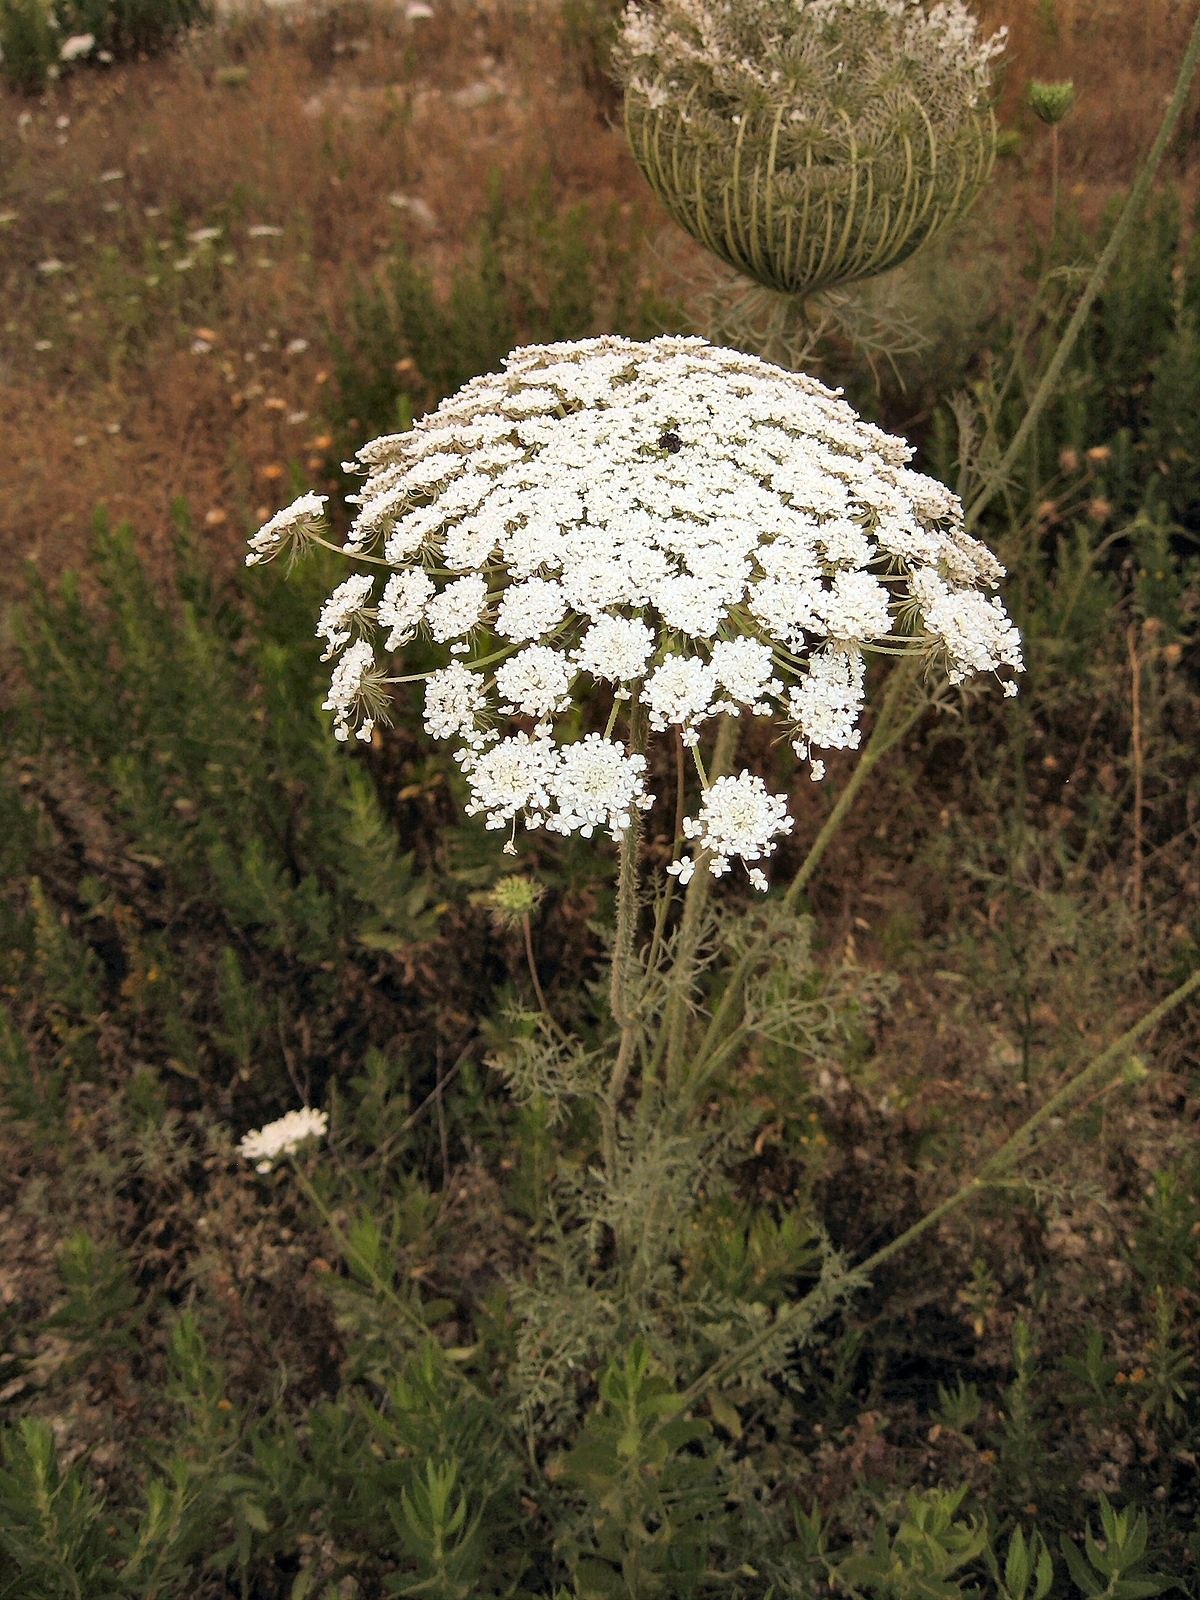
{"points": [[265, 1145], [668, 524]]}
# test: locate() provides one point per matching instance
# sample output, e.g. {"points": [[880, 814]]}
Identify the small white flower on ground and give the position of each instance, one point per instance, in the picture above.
{"points": [[265, 1145], [77, 46]]}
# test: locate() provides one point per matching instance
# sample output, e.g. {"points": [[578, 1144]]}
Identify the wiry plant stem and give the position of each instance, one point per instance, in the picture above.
{"points": [[1130, 212], [891, 724], [997, 1165]]}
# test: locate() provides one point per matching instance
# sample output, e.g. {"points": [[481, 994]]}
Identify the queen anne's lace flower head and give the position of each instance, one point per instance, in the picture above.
{"points": [[680, 528], [265, 1145]]}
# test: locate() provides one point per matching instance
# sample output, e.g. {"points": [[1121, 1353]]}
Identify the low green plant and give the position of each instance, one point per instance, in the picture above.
{"points": [[39, 38]]}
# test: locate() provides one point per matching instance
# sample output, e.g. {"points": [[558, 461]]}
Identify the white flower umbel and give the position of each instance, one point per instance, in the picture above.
{"points": [[288, 528], [669, 524], [596, 785], [739, 817], [357, 694], [345, 612], [265, 1145]]}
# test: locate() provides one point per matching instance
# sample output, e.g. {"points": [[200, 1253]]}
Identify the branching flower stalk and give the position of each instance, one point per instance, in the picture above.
{"points": [[668, 537]]}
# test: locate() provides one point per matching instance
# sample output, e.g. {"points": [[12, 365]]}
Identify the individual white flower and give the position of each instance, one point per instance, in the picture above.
{"points": [[739, 817], [976, 631], [855, 610], [744, 668], [346, 609], [77, 46], [288, 527], [615, 649], [597, 785], [405, 596], [534, 682], [265, 1145], [454, 701], [530, 609], [825, 707], [357, 695]]}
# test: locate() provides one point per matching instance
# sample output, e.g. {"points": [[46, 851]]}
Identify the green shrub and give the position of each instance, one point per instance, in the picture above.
{"points": [[35, 34], [236, 859]]}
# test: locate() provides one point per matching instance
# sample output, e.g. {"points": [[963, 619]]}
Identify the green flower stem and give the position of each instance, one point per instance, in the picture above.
{"points": [[893, 722], [692, 921], [535, 978], [997, 1166], [623, 959], [1130, 211]]}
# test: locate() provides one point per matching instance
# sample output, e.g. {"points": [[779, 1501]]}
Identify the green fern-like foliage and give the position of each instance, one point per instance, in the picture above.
{"points": [[170, 737]]}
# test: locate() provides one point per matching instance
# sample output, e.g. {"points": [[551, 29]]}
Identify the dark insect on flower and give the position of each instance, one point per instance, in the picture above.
{"points": [[672, 442]]}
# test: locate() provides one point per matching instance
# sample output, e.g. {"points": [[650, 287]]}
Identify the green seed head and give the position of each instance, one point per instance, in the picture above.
{"points": [[1051, 102]]}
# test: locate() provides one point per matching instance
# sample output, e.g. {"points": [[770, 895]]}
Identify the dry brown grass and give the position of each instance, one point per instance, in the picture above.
{"points": [[1122, 56], [118, 408]]}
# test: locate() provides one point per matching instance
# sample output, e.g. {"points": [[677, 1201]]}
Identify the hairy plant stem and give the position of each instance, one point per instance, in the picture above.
{"points": [[623, 959], [998, 1165], [691, 924], [894, 720], [1130, 211]]}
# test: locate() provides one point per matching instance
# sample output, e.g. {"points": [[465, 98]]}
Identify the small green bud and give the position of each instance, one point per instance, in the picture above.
{"points": [[1135, 1070], [1051, 102], [510, 900]]}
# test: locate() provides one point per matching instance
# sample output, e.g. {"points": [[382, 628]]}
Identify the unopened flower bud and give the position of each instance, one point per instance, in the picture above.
{"points": [[1051, 102]]}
